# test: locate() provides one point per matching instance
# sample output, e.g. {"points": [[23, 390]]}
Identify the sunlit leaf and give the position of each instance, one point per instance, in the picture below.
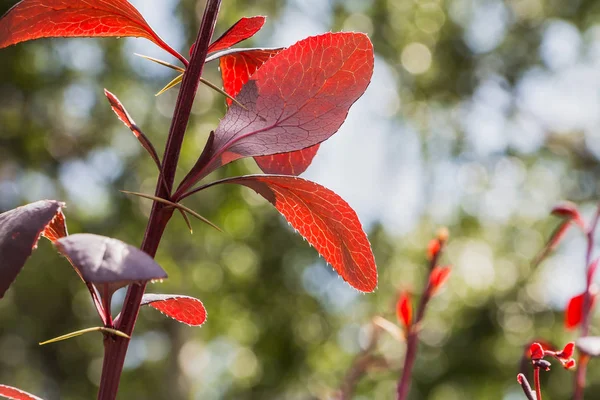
{"points": [[184, 309], [20, 230], [236, 70], [243, 29], [438, 277], [34, 19], [325, 220], [16, 394], [124, 116], [574, 311], [296, 99]]}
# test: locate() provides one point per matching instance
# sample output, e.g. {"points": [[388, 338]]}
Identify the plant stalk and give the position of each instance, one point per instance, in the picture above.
{"points": [[115, 348], [587, 302]]}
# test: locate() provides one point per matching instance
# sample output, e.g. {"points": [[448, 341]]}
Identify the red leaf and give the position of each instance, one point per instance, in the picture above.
{"points": [[124, 116], [185, 309], [537, 351], [574, 311], [20, 230], [325, 220], [236, 69], [433, 248], [437, 278], [404, 309], [556, 236], [100, 259], [243, 29], [292, 163], [568, 211], [16, 394], [34, 19], [298, 98]]}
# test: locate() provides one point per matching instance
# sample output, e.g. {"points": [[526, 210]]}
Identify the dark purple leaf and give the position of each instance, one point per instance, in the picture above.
{"points": [[20, 230], [100, 259]]}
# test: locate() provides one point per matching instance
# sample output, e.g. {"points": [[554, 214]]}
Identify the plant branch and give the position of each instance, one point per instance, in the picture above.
{"points": [[412, 337], [115, 348], [587, 303]]}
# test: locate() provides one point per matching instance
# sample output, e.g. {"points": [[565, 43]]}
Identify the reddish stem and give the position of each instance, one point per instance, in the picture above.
{"points": [[115, 347], [536, 382], [412, 340], [587, 302]]}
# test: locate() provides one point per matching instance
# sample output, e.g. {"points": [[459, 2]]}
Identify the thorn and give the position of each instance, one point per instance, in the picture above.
{"points": [[161, 62], [218, 89], [171, 84], [175, 205], [83, 331]]}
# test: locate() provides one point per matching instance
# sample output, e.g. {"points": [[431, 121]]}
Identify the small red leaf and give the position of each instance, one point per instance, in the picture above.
{"points": [[537, 351], [574, 311], [325, 220], [433, 248], [124, 116], [100, 259], [553, 241], [404, 309], [16, 394], [20, 230], [296, 99], [438, 277], [568, 211], [243, 29], [184, 309], [34, 19], [567, 351]]}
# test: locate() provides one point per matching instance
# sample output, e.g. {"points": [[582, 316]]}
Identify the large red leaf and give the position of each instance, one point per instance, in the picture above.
{"points": [[100, 259], [325, 220], [298, 98], [20, 230], [34, 19], [236, 69], [244, 29], [185, 309], [16, 394]]}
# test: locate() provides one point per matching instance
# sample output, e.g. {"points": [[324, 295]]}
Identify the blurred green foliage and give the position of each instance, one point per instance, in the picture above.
{"points": [[501, 99]]}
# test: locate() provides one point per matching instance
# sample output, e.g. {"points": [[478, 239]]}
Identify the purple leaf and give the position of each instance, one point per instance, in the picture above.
{"points": [[20, 230], [100, 259]]}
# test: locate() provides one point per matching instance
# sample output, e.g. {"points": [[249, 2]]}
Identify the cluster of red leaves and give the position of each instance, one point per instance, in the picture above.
{"points": [[565, 356], [438, 275]]}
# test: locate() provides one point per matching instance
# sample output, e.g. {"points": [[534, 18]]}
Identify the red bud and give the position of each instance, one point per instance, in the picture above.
{"points": [[537, 351], [438, 277], [404, 309]]}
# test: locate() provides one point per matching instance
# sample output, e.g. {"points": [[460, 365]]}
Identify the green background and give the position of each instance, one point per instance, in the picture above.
{"points": [[481, 116]]}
